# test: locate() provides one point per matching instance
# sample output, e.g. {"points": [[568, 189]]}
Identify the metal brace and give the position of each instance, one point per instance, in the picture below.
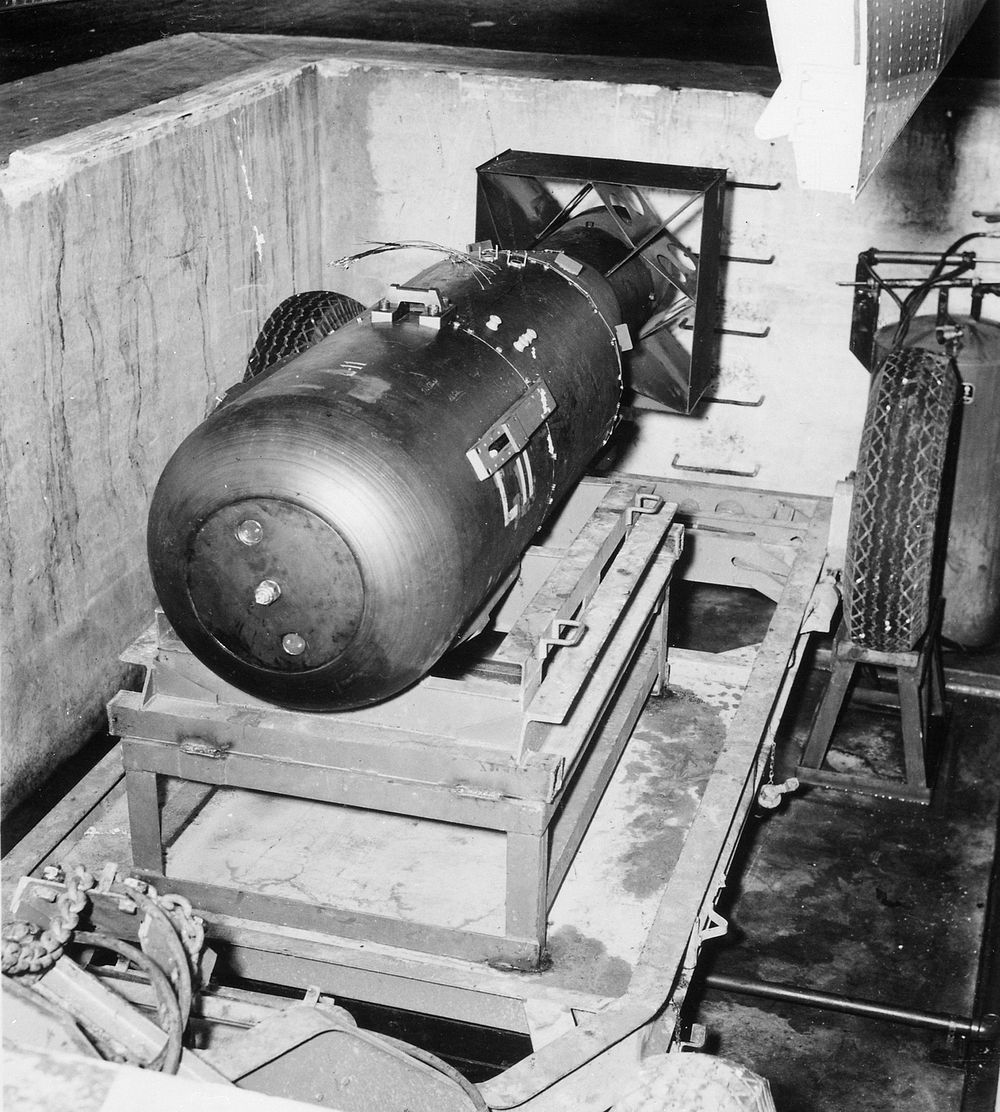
{"points": [[644, 504], [570, 265], [434, 308], [507, 436], [484, 249], [563, 633], [712, 926], [696, 1037], [195, 748]]}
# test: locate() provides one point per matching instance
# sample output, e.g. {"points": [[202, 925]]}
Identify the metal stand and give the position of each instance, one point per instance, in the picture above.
{"points": [[920, 698], [522, 741]]}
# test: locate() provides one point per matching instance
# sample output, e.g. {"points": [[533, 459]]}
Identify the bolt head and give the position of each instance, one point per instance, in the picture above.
{"points": [[266, 592], [250, 532]]}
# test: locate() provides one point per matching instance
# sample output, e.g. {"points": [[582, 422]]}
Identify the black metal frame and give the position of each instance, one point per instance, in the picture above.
{"points": [[869, 285], [515, 211]]}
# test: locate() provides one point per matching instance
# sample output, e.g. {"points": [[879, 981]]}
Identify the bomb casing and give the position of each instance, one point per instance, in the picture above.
{"points": [[323, 537]]}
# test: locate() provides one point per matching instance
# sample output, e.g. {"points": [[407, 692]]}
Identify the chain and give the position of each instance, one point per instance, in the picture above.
{"points": [[28, 950], [770, 793], [191, 927]]}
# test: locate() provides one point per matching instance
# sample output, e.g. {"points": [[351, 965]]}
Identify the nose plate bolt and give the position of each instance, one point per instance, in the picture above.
{"points": [[250, 532], [266, 592]]}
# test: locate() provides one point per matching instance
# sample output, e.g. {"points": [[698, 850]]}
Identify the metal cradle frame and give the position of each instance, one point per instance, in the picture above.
{"points": [[586, 1045]]}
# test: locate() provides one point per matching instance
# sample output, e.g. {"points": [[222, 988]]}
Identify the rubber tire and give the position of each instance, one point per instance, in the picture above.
{"points": [[891, 560], [298, 323], [696, 1083]]}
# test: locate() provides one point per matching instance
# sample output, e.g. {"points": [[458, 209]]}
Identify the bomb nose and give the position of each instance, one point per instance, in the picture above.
{"points": [[275, 584]]}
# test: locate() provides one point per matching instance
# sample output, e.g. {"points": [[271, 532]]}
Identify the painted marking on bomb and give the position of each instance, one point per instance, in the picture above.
{"points": [[515, 482]]}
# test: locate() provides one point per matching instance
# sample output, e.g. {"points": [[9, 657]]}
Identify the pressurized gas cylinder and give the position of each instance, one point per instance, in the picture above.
{"points": [[325, 535], [971, 585]]}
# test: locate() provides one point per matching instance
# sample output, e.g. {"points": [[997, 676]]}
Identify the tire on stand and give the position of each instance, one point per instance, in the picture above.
{"points": [[890, 573], [299, 322]]}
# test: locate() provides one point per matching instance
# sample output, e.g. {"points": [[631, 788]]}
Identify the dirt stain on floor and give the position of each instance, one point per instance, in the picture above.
{"points": [[569, 948], [674, 753]]}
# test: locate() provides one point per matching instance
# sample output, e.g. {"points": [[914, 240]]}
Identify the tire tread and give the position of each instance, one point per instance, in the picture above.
{"points": [[890, 566], [298, 323]]}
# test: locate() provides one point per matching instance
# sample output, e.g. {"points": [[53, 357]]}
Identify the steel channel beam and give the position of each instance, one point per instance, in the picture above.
{"points": [[699, 872], [52, 837]]}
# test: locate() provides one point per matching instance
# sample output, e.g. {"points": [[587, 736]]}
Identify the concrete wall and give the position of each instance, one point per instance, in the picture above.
{"points": [[412, 139], [142, 256], [140, 259]]}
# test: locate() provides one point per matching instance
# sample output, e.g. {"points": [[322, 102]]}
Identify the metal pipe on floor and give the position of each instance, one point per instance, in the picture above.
{"points": [[984, 1029]]}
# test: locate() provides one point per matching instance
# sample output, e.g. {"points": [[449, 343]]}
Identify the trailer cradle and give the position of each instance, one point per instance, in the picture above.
{"points": [[566, 1069], [587, 1036]]}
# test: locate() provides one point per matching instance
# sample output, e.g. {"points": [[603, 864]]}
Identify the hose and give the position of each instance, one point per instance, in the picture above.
{"points": [[168, 1009], [915, 298]]}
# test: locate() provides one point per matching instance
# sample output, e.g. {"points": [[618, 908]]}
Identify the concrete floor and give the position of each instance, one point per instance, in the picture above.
{"points": [[878, 902]]}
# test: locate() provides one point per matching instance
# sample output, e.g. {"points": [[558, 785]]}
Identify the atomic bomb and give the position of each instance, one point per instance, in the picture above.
{"points": [[340, 520]]}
